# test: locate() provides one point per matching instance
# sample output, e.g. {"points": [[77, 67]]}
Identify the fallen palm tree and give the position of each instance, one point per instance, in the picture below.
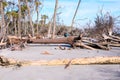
{"points": [[16, 40], [68, 40], [76, 61], [74, 41]]}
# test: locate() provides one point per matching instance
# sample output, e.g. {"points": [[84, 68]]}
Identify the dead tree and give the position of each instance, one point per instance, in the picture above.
{"points": [[75, 14], [54, 19]]}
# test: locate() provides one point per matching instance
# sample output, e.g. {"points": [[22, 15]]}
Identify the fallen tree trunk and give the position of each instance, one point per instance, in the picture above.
{"points": [[111, 38], [68, 40], [2, 45], [104, 47], [77, 61], [16, 40], [115, 37], [80, 44]]}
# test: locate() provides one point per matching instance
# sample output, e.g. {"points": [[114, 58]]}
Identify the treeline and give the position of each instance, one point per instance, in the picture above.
{"points": [[16, 19]]}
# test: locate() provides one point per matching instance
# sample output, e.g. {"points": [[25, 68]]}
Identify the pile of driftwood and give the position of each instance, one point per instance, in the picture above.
{"points": [[105, 43], [75, 41], [79, 41]]}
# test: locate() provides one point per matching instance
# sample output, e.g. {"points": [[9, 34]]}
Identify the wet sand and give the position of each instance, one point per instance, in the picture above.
{"points": [[74, 72]]}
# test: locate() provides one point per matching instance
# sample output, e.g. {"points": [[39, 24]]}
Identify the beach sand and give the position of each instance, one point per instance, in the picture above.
{"points": [[73, 72]]}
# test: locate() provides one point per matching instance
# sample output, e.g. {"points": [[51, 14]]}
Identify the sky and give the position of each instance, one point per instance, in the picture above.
{"points": [[87, 11]]}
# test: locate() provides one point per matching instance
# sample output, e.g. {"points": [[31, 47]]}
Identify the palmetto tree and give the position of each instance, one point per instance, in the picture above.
{"points": [[3, 4], [24, 18], [37, 4], [44, 18], [19, 18], [29, 15]]}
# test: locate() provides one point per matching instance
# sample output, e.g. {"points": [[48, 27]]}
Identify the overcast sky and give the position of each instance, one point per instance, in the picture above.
{"points": [[87, 10]]}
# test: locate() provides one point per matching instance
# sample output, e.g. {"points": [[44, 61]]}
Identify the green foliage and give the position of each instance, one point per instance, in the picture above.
{"points": [[23, 8], [4, 4], [12, 13], [37, 3]]}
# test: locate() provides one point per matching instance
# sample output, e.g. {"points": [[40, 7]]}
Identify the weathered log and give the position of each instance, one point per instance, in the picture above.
{"points": [[2, 45], [111, 38], [104, 47], [114, 45], [80, 44], [68, 40], [16, 40], [115, 37], [77, 61]]}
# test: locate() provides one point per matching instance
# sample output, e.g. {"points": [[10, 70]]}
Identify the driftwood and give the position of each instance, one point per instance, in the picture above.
{"points": [[81, 44], [112, 40], [98, 45], [13, 41], [67, 62], [74, 41], [2, 45], [64, 40]]}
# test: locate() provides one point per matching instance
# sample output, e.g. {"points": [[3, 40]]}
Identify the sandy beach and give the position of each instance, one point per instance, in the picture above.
{"points": [[74, 72]]}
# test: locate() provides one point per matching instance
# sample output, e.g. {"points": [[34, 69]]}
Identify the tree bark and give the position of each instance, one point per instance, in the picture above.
{"points": [[30, 18], [2, 15], [54, 19], [19, 19], [77, 61], [15, 27], [75, 15], [37, 21], [68, 40], [3, 27], [49, 28]]}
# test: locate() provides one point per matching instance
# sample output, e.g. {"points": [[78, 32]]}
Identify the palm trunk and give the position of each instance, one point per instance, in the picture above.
{"points": [[3, 28], [49, 29], [15, 27], [37, 22], [7, 29], [31, 24], [26, 25], [54, 19], [75, 15], [19, 19], [3, 21]]}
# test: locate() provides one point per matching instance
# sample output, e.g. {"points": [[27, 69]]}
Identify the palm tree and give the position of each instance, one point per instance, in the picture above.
{"points": [[49, 27], [3, 26], [44, 18], [30, 18], [24, 15], [54, 19], [15, 17], [75, 14], [19, 19], [37, 4]]}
